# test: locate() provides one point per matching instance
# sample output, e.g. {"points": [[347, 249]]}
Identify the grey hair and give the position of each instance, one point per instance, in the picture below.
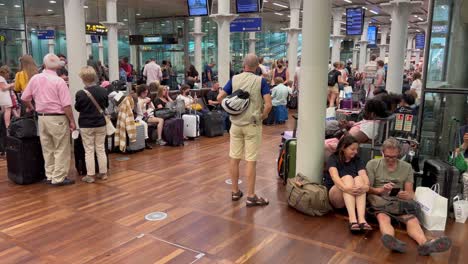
{"points": [[51, 61], [391, 143], [251, 61]]}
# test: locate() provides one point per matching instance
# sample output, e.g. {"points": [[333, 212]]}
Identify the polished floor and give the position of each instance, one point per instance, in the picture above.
{"points": [[105, 222]]}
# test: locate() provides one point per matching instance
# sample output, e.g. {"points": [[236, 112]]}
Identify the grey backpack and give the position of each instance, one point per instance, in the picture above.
{"points": [[307, 197]]}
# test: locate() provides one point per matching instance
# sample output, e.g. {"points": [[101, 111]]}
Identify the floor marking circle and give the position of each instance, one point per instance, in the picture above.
{"points": [[156, 216]]}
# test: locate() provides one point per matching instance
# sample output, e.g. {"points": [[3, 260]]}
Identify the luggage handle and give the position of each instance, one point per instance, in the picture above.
{"points": [[436, 188]]}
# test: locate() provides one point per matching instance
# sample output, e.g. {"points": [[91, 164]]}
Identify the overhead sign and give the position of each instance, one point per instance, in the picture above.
{"points": [[45, 34], [246, 24], [3, 38], [96, 29], [420, 40], [247, 6], [372, 36], [167, 39], [354, 21], [197, 7]]}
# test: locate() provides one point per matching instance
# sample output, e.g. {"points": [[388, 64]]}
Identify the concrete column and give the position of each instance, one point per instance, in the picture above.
{"points": [[23, 40], [252, 43], [76, 44], [132, 31], [223, 19], [409, 51], [112, 39], [337, 37], [368, 54], [101, 50], [89, 46], [198, 37], [293, 35], [355, 53], [383, 41], [363, 48], [311, 130], [400, 11], [417, 54]]}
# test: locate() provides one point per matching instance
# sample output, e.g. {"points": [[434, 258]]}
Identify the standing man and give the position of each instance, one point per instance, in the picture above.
{"points": [[246, 129], [152, 72], [208, 73], [53, 106]]}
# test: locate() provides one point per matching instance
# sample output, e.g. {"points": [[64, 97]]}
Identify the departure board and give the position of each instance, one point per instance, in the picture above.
{"points": [[247, 6], [354, 21], [420, 40], [197, 7]]}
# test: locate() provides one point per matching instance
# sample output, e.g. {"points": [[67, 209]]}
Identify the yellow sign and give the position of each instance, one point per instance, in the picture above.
{"points": [[2, 38], [95, 29]]}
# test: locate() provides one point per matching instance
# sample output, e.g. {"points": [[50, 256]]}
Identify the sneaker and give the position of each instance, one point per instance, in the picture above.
{"points": [[161, 142], [102, 176], [88, 179], [393, 244], [64, 182], [46, 181], [440, 244]]}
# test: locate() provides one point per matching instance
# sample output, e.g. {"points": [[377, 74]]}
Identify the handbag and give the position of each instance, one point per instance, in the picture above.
{"points": [[165, 113], [23, 127], [110, 129], [307, 197]]}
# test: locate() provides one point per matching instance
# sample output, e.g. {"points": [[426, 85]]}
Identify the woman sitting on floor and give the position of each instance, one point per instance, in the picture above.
{"points": [[347, 182]]}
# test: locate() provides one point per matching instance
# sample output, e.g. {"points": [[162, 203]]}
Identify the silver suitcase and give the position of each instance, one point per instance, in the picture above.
{"points": [[139, 144], [191, 126]]}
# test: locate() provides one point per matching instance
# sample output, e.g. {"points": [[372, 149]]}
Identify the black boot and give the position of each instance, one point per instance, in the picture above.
{"points": [[147, 144]]}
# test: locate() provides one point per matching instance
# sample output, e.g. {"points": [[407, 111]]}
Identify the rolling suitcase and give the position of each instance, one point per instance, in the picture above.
{"points": [[139, 144], [173, 132], [444, 174], [191, 126], [80, 160], [213, 124], [24, 160], [286, 164]]}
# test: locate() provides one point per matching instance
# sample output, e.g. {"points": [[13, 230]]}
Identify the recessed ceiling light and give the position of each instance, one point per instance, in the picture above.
{"points": [[2, 4], [85, 6], [125, 19], [17, 6], [280, 5], [214, 27], [374, 12], [163, 24], [364, 7], [415, 16], [50, 10], [52, 2], [279, 14], [138, 14], [348, 1], [417, 30], [420, 19]]}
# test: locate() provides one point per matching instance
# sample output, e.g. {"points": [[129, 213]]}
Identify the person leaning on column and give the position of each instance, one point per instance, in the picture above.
{"points": [[53, 106]]}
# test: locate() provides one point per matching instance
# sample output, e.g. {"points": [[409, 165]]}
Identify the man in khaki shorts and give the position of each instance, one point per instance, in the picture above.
{"points": [[246, 129]]}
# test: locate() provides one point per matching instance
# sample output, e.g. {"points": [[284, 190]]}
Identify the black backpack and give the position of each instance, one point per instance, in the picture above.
{"points": [[332, 80]]}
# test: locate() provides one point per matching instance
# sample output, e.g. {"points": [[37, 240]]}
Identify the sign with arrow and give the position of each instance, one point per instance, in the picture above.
{"points": [[246, 24]]}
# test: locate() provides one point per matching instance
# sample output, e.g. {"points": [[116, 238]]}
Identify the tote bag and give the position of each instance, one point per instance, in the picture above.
{"points": [[433, 207]]}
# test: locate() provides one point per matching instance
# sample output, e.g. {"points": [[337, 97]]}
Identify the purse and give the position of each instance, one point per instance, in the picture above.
{"points": [[165, 113], [110, 129]]}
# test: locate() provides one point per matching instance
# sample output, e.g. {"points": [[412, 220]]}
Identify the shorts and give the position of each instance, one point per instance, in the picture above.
{"points": [[245, 142], [333, 89]]}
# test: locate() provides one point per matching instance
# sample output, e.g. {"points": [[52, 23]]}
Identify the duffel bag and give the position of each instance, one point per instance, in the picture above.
{"points": [[23, 127], [307, 197], [165, 113]]}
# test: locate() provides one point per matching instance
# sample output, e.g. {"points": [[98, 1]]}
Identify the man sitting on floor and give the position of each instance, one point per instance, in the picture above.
{"points": [[391, 177]]}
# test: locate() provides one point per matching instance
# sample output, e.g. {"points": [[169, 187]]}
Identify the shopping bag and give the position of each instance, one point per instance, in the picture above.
{"points": [[460, 208], [348, 92], [331, 113], [433, 207]]}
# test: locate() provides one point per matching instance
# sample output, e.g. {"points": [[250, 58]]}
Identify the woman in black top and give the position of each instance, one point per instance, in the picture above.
{"points": [[192, 72], [347, 182], [92, 123], [162, 97]]}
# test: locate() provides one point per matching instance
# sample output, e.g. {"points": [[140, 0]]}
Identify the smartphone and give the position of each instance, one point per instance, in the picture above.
{"points": [[394, 191]]}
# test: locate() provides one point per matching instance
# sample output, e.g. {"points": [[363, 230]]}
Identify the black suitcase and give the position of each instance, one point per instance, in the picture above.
{"points": [[25, 161], [80, 163], [444, 174], [213, 124], [173, 132]]}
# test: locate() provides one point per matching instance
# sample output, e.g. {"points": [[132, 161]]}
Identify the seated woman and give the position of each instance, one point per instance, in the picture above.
{"points": [[347, 182], [162, 97], [145, 113], [362, 131], [185, 95]]}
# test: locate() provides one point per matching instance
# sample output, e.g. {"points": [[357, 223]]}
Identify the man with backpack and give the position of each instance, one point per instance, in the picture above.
{"points": [[246, 130], [334, 77]]}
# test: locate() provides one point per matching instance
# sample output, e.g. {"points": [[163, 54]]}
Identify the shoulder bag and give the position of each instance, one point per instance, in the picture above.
{"points": [[110, 129]]}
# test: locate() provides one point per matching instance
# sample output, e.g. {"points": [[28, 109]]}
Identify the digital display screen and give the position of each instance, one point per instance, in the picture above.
{"points": [[96, 29], [152, 39], [197, 7], [372, 36], [354, 21], [247, 6], [420, 40]]}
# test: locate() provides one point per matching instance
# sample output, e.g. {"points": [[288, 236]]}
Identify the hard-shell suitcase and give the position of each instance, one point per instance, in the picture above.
{"points": [[139, 144], [24, 160], [173, 132], [287, 160], [447, 176], [80, 159], [191, 125], [349, 104], [213, 124]]}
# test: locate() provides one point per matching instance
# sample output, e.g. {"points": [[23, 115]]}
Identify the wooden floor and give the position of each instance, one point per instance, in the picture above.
{"points": [[104, 222]]}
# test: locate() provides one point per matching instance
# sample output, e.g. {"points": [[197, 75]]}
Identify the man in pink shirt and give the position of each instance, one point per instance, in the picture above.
{"points": [[152, 72], [53, 106]]}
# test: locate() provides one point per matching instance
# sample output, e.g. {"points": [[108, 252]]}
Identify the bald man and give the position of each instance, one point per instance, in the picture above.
{"points": [[246, 128]]}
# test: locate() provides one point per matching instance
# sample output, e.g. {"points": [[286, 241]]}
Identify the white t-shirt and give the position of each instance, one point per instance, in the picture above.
{"points": [[417, 86], [188, 100], [5, 98], [153, 72], [369, 127]]}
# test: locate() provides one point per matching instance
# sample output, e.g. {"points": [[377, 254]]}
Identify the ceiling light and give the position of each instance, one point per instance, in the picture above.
{"points": [[214, 27], [85, 6], [343, 22], [52, 2], [420, 19], [2, 4], [125, 19], [348, 1], [163, 24], [50, 10], [417, 30], [364, 7], [279, 14], [415, 16], [280, 5], [344, 14], [17, 6], [138, 14], [374, 12]]}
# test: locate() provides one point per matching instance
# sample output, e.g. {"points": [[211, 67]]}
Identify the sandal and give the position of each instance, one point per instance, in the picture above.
{"points": [[256, 201], [236, 196], [365, 227], [354, 227]]}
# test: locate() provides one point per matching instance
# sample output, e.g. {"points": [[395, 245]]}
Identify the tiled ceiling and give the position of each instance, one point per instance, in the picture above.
{"points": [[45, 13]]}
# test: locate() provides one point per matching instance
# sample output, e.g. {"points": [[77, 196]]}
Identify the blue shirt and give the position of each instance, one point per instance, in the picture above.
{"points": [[265, 87]]}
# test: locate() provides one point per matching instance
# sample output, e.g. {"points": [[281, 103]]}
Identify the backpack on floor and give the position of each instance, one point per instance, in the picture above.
{"points": [[307, 197]]}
